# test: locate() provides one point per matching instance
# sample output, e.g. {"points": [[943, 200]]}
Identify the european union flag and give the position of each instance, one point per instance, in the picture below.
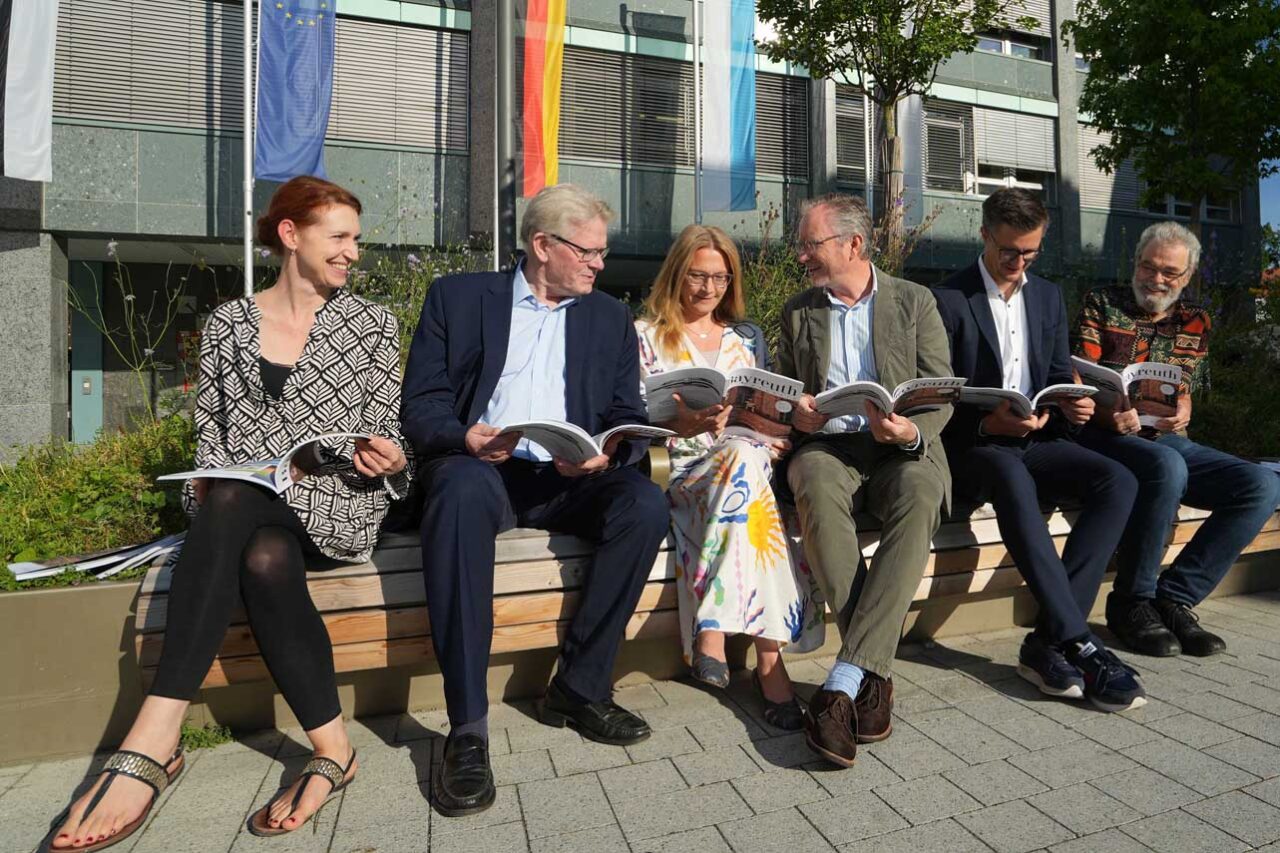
{"points": [[295, 82]]}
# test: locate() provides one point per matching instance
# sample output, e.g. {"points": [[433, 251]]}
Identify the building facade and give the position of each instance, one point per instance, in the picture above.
{"points": [[147, 166]]}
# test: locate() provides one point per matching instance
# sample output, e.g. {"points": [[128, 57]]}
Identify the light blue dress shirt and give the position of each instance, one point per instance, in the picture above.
{"points": [[852, 359], [532, 384]]}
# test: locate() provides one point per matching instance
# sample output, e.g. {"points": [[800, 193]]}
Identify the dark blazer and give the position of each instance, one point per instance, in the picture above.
{"points": [[906, 339], [461, 345], [975, 351]]}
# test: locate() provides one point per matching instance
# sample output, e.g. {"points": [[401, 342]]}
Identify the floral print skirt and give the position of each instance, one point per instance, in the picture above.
{"points": [[735, 570]]}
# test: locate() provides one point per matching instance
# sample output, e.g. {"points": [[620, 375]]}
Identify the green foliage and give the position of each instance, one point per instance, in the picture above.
{"points": [[399, 281], [1236, 408], [770, 276], [1189, 89], [1270, 247], [888, 48], [59, 499], [195, 737]]}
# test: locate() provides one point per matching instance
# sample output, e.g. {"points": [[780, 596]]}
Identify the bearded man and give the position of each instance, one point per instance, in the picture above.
{"points": [[1151, 611]]}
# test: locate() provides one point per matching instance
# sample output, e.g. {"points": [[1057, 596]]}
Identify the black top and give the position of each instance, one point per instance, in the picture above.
{"points": [[274, 376]]}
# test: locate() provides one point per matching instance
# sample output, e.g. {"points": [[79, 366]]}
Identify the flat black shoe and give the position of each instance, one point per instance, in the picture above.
{"points": [[463, 784], [1185, 625], [710, 671], [1137, 624], [781, 715], [605, 722]]}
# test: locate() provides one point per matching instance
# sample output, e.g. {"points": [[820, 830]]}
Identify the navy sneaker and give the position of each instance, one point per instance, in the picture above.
{"points": [[1109, 683], [1048, 669]]}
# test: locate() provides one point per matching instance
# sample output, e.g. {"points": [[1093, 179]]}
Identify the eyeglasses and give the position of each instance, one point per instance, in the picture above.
{"points": [[1027, 256], [1151, 271], [719, 280], [808, 247], [584, 254]]}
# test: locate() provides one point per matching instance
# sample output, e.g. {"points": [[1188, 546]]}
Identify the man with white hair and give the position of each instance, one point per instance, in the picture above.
{"points": [[536, 343], [1148, 320]]}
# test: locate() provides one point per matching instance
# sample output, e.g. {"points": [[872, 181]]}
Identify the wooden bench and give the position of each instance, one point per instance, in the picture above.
{"points": [[376, 611]]}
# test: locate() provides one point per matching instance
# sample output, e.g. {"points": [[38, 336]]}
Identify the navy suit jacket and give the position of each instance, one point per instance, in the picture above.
{"points": [[461, 345], [975, 350]]}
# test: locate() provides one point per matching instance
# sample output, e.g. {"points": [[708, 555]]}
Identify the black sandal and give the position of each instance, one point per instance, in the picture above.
{"points": [[788, 716], [135, 765], [328, 769]]}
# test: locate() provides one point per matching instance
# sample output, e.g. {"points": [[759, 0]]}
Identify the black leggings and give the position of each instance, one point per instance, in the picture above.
{"points": [[246, 540]]}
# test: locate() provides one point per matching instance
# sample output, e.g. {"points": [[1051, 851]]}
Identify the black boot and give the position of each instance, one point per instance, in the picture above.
{"points": [[1185, 624], [1137, 624]]}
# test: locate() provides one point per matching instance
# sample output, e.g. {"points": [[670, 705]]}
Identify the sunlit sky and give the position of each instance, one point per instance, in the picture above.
{"points": [[1271, 200]]}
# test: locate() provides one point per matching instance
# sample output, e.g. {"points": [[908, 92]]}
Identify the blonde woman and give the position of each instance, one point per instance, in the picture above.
{"points": [[735, 574]]}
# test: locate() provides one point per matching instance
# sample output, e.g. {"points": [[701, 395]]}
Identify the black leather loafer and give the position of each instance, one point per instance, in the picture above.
{"points": [[463, 784], [605, 722]]}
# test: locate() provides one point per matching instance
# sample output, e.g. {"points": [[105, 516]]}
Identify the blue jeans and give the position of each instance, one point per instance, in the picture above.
{"points": [[1172, 470]]}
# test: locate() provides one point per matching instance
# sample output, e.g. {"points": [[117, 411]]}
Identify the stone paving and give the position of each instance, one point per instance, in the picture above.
{"points": [[978, 762]]}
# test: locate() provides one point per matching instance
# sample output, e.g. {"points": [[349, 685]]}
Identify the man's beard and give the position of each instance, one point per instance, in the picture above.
{"points": [[1155, 303]]}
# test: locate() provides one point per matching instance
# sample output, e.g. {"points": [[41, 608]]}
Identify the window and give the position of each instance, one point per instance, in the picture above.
{"points": [[991, 178], [851, 140], [1222, 207], [1021, 45], [1218, 207], [1082, 64]]}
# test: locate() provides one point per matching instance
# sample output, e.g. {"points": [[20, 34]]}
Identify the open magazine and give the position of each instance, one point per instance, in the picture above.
{"points": [[275, 474], [102, 564], [1149, 386], [573, 443], [912, 396], [762, 402], [990, 398]]}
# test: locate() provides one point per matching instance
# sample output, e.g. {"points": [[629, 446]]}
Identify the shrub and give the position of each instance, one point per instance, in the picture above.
{"points": [[1238, 407], [59, 499], [399, 281], [770, 275]]}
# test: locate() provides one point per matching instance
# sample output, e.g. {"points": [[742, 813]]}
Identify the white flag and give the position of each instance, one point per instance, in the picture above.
{"points": [[27, 34]]}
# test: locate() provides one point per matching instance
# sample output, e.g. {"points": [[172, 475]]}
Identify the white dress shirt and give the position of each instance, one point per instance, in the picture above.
{"points": [[532, 384], [1010, 316]]}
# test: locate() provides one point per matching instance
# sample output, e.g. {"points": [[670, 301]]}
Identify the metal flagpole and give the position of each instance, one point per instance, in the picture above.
{"points": [[248, 148], [697, 112]]}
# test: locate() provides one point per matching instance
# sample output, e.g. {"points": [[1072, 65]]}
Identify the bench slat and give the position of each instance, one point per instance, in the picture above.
{"points": [[354, 657], [357, 626]]}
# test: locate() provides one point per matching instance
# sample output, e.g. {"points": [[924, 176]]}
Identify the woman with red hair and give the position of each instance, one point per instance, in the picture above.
{"points": [[301, 358]]}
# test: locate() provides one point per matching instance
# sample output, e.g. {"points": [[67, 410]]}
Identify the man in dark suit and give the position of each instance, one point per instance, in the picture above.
{"points": [[1008, 329], [537, 343]]}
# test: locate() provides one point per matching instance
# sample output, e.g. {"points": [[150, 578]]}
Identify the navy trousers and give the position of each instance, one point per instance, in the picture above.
{"points": [[469, 502], [1016, 478], [1172, 470]]}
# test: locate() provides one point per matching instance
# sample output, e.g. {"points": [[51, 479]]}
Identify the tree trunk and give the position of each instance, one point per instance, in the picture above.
{"points": [[892, 154]]}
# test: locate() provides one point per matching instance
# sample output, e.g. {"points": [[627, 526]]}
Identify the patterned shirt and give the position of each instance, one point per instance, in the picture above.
{"points": [[1115, 331]]}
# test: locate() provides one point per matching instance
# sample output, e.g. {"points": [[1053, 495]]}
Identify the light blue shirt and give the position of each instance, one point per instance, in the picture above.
{"points": [[851, 356], [532, 384]]}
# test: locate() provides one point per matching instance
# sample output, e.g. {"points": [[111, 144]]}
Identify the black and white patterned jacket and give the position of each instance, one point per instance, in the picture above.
{"points": [[346, 380]]}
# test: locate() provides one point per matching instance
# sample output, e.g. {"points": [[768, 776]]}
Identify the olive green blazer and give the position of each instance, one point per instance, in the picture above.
{"points": [[907, 339]]}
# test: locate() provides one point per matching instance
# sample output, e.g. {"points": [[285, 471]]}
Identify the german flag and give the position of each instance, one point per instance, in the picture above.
{"points": [[543, 68]]}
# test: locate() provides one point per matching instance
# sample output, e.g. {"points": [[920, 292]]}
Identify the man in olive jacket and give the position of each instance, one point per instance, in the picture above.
{"points": [[857, 323]]}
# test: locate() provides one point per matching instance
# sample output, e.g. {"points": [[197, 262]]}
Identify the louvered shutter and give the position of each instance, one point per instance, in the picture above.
{"points": [[400, 85], [851, 139], [1038, 9], [1016, 140], [171, 63], [947, 145], [782, 126], [180, 64], [1117, 191]]}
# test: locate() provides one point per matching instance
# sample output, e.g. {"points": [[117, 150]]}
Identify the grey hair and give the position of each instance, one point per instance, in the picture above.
{"points": [[1169, 232], [554, 209], [849, 215]]}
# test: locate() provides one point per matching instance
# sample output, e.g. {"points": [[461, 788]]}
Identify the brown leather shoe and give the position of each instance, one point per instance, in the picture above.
{"points": [[830, 727], [874, 707]]}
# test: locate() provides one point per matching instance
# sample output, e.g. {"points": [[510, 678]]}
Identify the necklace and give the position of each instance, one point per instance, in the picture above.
{"points": [[702, 335]]}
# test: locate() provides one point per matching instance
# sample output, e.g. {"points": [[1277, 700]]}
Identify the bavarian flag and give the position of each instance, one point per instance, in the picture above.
{"points": [[295, 84], [28, 31], [543, 69]]}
